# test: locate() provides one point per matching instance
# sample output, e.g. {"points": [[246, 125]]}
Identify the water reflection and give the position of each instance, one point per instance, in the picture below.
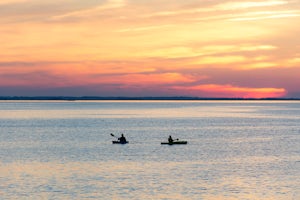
{"points": [[235, 150], [231, 179]]}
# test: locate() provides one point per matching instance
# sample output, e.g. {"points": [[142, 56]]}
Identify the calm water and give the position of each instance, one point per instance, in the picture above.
{"points": [[236, 150]]}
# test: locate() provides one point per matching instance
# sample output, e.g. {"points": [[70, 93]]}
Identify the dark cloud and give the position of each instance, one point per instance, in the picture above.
{"points": [[293, 94], [91, 90], [17, 64], [32, 64]]}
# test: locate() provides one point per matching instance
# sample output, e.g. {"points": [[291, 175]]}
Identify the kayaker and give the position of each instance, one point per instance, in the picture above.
{"points": [[122, 139], [170, 139]]}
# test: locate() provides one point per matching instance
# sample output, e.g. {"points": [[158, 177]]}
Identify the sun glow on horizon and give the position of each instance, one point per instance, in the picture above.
{"points": [[228, 91]]}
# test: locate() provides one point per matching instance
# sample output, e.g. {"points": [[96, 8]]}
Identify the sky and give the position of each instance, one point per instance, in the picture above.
{"points": [[201, 48]]}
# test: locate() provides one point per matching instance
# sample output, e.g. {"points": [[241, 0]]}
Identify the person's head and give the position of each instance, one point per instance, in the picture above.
{"points": [[122, 135]]}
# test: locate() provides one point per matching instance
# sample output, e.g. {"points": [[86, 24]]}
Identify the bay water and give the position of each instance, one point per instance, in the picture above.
{"points": [[236, 150]]}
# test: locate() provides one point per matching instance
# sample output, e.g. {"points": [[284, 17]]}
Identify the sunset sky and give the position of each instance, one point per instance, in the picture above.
{"points": [[203, 48]]}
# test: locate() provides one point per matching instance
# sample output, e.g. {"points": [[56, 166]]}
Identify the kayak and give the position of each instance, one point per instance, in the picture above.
{"points": [[118, 142], [175, 142]]}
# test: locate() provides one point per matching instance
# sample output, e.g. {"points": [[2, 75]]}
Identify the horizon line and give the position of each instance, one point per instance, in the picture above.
{"points": [[74, 98]]}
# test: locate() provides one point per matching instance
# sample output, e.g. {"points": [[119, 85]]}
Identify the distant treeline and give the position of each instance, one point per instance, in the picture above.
{"points": [[70, 98]]}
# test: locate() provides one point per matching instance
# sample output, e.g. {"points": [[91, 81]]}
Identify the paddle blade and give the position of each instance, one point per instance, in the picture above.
{"points": [[112, 135]]}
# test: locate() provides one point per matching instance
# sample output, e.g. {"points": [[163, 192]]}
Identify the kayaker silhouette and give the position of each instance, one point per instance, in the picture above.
{"points": [[122, 139], [170, 139]]}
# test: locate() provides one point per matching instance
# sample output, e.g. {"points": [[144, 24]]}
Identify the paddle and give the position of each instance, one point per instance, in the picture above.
{"points": [[113, 135]]}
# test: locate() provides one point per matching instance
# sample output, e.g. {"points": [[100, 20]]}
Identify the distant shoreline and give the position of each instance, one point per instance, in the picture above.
{"points": [[89, 98]]}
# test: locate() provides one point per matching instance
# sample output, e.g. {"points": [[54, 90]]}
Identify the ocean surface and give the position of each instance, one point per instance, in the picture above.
{"points": [[236, 150]]}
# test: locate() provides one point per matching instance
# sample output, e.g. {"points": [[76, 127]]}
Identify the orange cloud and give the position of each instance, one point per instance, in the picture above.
{"points": [[53, 79], [141, 79]]}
